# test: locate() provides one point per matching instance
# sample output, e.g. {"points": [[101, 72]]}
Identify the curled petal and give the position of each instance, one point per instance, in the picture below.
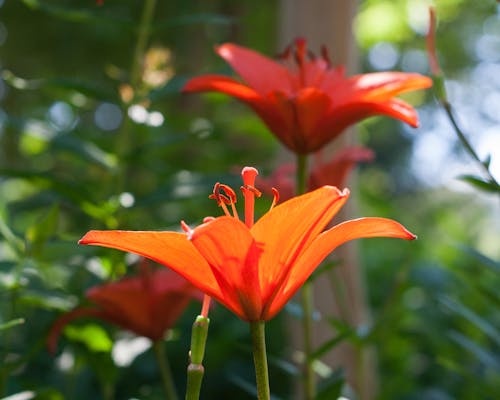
{"points": [[385, 85], [326, 242], [223, 84], [289, 228]]}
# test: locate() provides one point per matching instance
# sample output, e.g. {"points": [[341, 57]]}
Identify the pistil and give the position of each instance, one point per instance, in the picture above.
{"points": [[249, 193]]}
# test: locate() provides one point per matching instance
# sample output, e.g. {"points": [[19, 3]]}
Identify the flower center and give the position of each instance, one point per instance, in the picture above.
{"points": [[225, 196]]}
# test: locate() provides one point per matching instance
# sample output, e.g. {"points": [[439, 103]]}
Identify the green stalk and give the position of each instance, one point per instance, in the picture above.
{"points": [[307, 299], [195, 370], [257, 331], [165, 370], [123, 138]]}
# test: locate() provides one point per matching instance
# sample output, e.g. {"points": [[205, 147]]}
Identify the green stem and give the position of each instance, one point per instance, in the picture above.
{"points": [[165, 371], [123, 138], [468, 147], [143, 33], [440, 92], [257, 331], [307, 299], [195, 370]]}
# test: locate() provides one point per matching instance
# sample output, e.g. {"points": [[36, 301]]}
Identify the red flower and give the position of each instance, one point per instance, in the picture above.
{"points": [[147, 304], [333, 172], [253, 269], [304, 101]]}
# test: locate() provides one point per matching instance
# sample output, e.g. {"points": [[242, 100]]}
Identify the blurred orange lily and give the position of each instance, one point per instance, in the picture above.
{"points": [[147, 304], [304, 101], [253, 269]]}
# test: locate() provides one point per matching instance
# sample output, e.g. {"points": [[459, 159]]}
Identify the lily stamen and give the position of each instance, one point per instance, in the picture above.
{"points": [[276, 197], [224, 194]]}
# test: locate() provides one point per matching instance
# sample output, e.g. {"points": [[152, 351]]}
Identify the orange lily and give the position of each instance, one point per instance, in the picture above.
{"points": [[147, 304], [304, 101], [253, 269], [333, 172]]}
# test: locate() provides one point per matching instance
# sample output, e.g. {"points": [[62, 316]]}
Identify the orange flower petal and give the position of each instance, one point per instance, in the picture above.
{"points": [[341, 117], [385, 85], [259, 72], [288, 229], [231, 252], [326, 242], [223, 84], [168, 248]]}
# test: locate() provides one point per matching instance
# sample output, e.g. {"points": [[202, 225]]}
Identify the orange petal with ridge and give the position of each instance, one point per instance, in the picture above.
{"points": [[326, 242], [171, 249]]}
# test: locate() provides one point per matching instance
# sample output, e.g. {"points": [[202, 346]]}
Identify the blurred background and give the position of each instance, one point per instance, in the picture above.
{"points": [[94, 134]]}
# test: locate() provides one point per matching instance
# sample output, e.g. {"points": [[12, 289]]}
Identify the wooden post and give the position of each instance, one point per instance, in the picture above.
{"points": [[329, 23]]}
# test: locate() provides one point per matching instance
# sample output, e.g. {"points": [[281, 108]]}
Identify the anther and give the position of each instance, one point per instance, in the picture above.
{"points": [[300, 50], [325, 55], [223, 195]]}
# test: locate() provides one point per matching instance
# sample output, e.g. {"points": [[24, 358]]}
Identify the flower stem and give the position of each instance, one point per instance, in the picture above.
{"points": [[195, 368], [123, 138], [307, 298], [257, 331], [165, 371]]}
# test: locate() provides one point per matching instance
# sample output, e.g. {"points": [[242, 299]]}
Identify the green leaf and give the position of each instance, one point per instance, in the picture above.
{"points": [[472, 317], [191, 19], [11, 323], [68, 84], [484, 260], [94, 337], [16, 243], [479, 183], [328, 345], [74, 15], [331, 388], [484, 356], [46, 301], [85, 150], [38, 234]]}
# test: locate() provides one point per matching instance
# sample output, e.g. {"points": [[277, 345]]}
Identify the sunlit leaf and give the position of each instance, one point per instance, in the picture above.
{"points": [[11, 323], [481, 184], [43, 229], [93, 336], [331, 388], [85, 150]]}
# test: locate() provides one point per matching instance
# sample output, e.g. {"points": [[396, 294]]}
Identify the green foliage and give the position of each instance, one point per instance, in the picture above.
{"points": [[73, 157]]}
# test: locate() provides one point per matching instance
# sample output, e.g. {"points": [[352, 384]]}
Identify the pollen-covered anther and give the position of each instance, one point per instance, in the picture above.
{"points": [[256, 192], [224, 194]]}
